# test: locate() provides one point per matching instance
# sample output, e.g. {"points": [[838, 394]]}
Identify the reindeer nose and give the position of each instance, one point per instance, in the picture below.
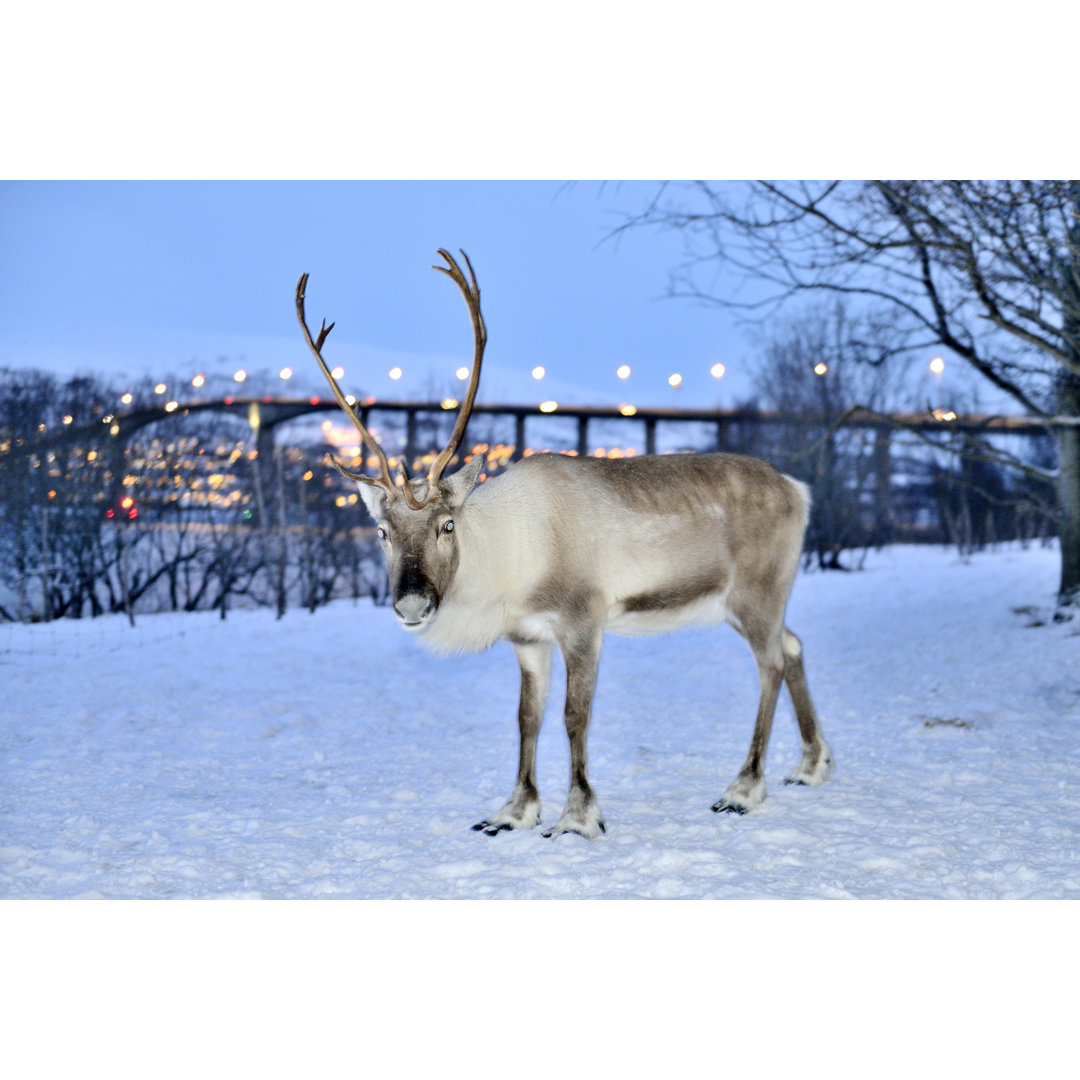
{"points": [[414, 608]]}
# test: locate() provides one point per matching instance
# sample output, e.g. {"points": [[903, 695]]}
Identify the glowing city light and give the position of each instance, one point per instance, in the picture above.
{"points": [[198, 380], [68, 419], [338, 372], [538, 372], [548, 406], [462, 373], [675, 380], [628, 410], [327, 425], [717, 371], [127, 399], [285, 373], [449, 403], [240, 375], [160, 388], [623, 371], [937, 365], [172, 406], [821, 368], [395, 373]]}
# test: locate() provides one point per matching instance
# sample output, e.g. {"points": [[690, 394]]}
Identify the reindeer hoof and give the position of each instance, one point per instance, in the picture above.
{"points": [[724, 807], [794, 781], [491, 830], [590, 830]]}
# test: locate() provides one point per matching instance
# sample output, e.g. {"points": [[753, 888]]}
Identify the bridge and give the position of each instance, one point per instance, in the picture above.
{"points": [[267, 413]]}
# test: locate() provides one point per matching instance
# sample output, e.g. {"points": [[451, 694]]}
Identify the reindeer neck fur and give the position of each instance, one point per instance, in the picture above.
{"points": [[498, 528]]}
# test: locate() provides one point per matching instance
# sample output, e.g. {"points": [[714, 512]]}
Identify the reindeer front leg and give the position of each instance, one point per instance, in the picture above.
{"points": [[582, 812], [522, 809]]}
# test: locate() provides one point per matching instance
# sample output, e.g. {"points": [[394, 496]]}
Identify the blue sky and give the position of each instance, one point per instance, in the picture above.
{"points": [[165, 279]]}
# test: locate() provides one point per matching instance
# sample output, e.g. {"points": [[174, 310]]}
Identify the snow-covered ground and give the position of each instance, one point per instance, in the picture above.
{"points": [[328, 755]]}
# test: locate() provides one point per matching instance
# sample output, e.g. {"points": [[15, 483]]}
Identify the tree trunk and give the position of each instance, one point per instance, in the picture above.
{"points": [[1068, 490], [1068, 393]]}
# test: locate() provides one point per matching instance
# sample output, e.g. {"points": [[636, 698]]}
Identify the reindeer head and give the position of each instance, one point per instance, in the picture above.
{"points": [[415, 518], [421, 546]]}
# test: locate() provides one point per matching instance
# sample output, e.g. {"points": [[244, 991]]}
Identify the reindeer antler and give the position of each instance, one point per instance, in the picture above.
{"points": [[471, 291], [385, 481]]}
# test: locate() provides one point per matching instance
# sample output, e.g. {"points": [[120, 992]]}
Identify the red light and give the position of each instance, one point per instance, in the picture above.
{"points": [[313, 401], [267, 399], [110, 512], [228, 401], [133, 513]]}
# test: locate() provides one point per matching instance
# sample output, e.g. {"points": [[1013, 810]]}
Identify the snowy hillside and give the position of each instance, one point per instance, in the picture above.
{"points": [[328, 756]]}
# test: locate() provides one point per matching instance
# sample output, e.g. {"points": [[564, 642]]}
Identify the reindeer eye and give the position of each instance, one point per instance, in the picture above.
{"points": [[449, 526], [382, 533]]}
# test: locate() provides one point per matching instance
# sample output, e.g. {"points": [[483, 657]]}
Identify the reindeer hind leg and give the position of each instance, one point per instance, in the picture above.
{"points": [[816, 755], [747, 790]]}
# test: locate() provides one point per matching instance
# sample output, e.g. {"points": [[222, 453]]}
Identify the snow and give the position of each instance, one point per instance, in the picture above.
{"points": [[329, 755]]}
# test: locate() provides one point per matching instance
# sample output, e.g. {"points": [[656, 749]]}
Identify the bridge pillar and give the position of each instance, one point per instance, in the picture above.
{"points": [[265, 475], [583, 436], [882, 484], [519, 436], [411, 449], [650, 435]]}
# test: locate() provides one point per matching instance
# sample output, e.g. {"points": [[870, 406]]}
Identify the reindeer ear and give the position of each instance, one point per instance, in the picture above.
{"points": [[456, 488], [374, 499]]}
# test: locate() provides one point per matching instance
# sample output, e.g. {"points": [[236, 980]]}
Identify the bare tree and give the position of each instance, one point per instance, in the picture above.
{"points": [[812, 373], [987, 269]]}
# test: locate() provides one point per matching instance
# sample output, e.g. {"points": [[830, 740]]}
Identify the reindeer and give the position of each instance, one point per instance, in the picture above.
{"points": [[559, 549]]}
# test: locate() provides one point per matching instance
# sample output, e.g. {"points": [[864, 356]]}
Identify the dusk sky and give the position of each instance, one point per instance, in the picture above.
{"points": [[163, 277], [167, 279]]}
